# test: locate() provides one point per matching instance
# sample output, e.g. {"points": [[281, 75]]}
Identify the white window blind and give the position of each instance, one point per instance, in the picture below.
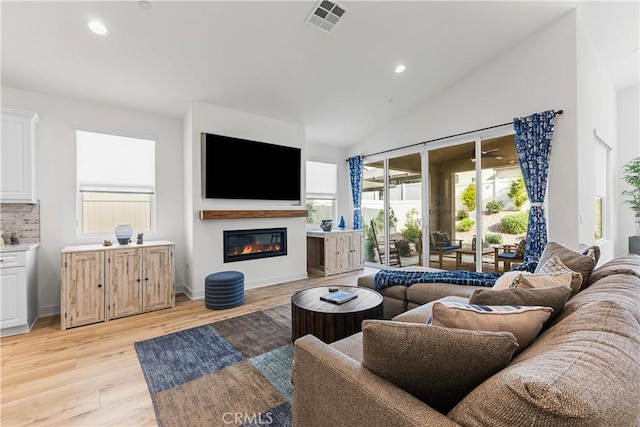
{"points": [[110, 163], [322, 180]]}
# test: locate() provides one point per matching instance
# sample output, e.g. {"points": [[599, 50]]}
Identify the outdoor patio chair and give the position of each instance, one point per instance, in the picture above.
{"points": [[440, 243], [508, 254], [394, 254]]}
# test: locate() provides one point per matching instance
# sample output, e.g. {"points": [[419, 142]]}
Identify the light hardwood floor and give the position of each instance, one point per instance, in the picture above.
{"points": [[90, 375]]}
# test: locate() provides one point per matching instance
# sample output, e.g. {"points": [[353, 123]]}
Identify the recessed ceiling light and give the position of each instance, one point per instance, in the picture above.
{"points": [[144, 4], [400, 68], [98, 27]]}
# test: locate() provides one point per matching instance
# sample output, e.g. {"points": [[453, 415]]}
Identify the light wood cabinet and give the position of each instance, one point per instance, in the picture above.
{"points": [[102, 283], [83, 288], [18, 156], [334, 252]]}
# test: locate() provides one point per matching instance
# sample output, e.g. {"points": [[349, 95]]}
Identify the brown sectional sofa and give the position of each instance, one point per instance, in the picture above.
{"points": [[399, 298], [584, 370]]}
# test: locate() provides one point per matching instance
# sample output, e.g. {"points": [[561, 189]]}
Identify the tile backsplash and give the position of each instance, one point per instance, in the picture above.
{"points": [[24, 218]]}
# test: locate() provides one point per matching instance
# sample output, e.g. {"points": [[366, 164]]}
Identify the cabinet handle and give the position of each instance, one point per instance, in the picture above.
{"points": [[99, 285], [137, 280], [146, 278]]}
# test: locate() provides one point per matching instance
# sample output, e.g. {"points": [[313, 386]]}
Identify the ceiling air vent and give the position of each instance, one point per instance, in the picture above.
{"points": [[325, 15]]}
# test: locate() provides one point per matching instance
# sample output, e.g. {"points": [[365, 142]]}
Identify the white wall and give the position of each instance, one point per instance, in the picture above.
{"points": [[536, 75], [628, 126], [596, 111], [205, 256], [56, 179]]}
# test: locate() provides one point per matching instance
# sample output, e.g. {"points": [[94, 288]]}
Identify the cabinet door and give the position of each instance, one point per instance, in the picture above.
{"points": [[332, 263], [13, 291], [344, 252], [125, 282], [158, 278], [17, 155], [83, 288], [357, 260]]}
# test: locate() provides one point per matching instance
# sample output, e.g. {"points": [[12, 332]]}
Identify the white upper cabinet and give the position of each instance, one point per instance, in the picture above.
{"points": [[18, 156]]}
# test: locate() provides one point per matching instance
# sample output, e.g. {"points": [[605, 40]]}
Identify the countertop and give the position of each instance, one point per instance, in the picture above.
{"points": [[321, 233], [19, 248]]}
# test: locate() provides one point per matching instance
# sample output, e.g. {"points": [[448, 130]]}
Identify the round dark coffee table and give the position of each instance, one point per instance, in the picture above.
{"points": [[328, 321]]}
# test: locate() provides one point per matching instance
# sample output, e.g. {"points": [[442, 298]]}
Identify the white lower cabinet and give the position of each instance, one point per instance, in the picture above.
{"points": [[18, 290], [102, 283]]}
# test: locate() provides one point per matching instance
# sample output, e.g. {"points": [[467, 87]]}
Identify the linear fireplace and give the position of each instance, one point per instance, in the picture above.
{"points": [[242, 245]]}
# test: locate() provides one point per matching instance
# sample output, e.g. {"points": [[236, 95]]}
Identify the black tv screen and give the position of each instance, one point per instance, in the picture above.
{"points": [[235, 168]]}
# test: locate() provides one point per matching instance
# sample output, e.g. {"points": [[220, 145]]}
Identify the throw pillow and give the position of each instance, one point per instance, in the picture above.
{"points": [[439, 366], [544, 281], [505, 281], [524, 322], [555, 298], [576, 261], [446, 239], [555, 266]]}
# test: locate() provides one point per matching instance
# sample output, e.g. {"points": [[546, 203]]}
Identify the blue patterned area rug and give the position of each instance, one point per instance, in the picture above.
{"points": [[233, 372]]}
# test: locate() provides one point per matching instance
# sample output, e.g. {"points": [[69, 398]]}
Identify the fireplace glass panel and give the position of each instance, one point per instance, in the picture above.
{"points": [[242, 245]]}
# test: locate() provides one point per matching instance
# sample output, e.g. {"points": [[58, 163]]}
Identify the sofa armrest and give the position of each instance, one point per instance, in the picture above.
{"points": [[332, 389]]}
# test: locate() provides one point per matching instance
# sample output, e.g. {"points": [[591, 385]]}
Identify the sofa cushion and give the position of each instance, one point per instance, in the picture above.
{"points": [[546, 297], [625, 264], [350, 346], [583, 371], [555, 266], [437, 365], [423, 312], [576, 261], [422, 293], [524, 322]]}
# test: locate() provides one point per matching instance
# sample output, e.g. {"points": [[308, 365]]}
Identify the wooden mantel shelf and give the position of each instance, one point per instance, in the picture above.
{"points": [[235, 214]]}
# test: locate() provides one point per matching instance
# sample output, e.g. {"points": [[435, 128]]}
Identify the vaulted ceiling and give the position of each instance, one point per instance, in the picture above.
{"points": [[262, 57]]}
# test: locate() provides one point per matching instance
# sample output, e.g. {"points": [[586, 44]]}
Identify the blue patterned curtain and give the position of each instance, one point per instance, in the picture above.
{"points": [[355, 169], [533, 144]]}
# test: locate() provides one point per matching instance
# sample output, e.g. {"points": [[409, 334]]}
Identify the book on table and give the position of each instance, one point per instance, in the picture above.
{"points": [[339, 297]]}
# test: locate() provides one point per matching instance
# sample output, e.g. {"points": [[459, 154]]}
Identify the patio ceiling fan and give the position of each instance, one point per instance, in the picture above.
{"points": [[486, 154]]}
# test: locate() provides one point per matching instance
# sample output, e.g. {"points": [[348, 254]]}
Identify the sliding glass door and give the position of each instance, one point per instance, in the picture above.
{"points": [[392, 211], [473, 215], [472, 211]]}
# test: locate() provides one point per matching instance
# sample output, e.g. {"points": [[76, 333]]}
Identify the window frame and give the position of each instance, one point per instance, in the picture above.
{"points": [[80, 235], [605, 198], [331, 196]]}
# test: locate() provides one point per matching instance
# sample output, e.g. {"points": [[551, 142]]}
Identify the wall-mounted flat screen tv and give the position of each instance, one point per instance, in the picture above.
{"points": [[235, 168]]}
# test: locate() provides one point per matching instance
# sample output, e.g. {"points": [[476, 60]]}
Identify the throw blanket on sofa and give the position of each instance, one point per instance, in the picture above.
{"points": [[386, 278]]}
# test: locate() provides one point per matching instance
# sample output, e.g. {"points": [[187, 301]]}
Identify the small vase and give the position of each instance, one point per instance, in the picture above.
{"points": [[123, 233], [326, 224], [341, 224]]}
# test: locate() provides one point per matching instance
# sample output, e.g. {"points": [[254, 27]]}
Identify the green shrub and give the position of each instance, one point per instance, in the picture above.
{"points": [[462, 214], [403, 247], [465, 224], [494, 239], [370, 251], [495, 206], [413, 227], [515, 223], [469, 197], [518, 193]]}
